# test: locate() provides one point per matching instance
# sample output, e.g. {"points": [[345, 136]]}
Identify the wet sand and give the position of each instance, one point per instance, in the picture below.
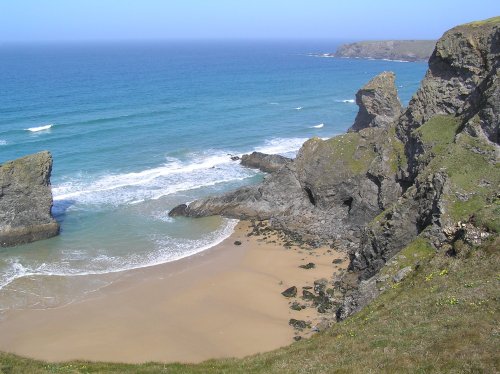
{"points": [[224, 302]]}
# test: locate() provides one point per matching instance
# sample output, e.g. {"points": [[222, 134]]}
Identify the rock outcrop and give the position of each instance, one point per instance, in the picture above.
{"points": [[407, 50], [26, 200], [264, 162], [330, 192], [462, 80], [378, 103], [393, 181]]}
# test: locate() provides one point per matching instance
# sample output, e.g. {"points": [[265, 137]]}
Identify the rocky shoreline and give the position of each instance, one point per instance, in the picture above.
{"points": [[317, 297], [393, 180]]}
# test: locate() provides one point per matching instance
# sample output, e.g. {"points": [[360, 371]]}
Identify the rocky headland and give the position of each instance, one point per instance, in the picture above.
{"points": [[404, 50], [26, 200], [416, 179]]}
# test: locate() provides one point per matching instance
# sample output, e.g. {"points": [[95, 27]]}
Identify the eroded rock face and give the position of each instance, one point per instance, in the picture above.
{"points": [[264, 162], [419, 208], [378, 103], [462, 80], [331, 191], [26, 200], [373, 190]]}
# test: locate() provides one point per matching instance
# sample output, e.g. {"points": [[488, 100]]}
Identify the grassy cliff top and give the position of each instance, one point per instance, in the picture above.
{"points": [[489, 21]]}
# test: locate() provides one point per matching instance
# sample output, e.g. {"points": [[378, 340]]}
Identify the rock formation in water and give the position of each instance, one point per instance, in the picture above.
{"points": [[406, 50], [394, 180], [264, 162], [26, 200]]}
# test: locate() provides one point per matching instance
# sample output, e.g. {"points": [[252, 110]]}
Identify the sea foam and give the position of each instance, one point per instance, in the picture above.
{"points": [[167, 249], [150, 184], [282, 146], [174, 176], [39, 128]]}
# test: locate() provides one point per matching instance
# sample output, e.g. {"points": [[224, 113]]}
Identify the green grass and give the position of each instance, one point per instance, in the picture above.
{"points": [[351, 150], [489, 21], [442, 318], [438, 132], [471, 166]]}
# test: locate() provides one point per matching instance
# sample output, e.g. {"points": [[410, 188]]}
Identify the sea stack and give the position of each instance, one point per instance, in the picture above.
{"points": [[26, 200], [378, 103]]}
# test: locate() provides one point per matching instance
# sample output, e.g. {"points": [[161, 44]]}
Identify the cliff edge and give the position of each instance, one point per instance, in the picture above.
{"points": [[26, 200], [424, 178]]}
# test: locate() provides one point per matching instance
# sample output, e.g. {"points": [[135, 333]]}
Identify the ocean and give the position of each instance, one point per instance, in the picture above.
{"points": [[137, 128]]}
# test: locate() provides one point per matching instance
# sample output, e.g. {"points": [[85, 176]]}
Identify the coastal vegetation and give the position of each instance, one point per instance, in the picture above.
{"points": [[443, 317], [415, 202]]}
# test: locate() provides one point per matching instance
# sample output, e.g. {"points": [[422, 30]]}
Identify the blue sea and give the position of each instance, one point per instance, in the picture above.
{"points": [[137, 128]]}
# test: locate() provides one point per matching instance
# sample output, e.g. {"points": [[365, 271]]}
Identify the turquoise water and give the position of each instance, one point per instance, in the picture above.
{"points": [[136, 129]]}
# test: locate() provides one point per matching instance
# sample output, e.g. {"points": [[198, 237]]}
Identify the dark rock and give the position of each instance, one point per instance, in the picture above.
{"points": [[297, 306], [337, 261], [264, 162], [26, 200], [235, 158], [297, 338], [290, 292], [320, 285], [298, 324], [310, 265], [237, 242], [308, 295], [179, 210], [324, 307], [378, 103], [419, 208]]}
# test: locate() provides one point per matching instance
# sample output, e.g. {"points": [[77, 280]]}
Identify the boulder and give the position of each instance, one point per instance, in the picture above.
{"points": [[290, 292], [179, 210], [26, 200], [264, 162]]}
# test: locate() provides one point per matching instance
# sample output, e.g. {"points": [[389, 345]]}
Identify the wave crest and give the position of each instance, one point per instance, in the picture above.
{"points": [[39, 128]]}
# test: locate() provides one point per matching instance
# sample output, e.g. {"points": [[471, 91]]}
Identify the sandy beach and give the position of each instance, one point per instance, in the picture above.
{"points": [[224, 302]]}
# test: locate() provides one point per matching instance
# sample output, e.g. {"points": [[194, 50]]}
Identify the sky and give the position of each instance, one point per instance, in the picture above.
{"points": [[105, 20]]}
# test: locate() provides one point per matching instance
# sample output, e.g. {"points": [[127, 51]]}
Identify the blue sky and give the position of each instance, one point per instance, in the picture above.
{"points": [[65, 20]]}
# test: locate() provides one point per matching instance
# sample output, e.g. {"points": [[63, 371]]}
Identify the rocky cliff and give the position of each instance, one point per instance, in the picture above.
{"points": [[378, 103], [26, 200], [334, 187], [407, 50], [396, 179]]}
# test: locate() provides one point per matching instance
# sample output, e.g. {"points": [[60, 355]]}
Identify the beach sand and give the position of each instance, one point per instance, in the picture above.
{"points": [[224, 302]]}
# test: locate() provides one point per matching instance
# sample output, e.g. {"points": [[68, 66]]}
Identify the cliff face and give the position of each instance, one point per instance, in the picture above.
{"points": [[462, 80], [407, 179], [26, 200]]}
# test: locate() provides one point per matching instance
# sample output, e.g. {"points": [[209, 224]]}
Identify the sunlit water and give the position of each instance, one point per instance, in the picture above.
{"points": [[136, 129]]}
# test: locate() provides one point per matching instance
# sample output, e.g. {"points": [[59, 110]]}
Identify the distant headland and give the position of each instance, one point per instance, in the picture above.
{"points": [[404, 50]]}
